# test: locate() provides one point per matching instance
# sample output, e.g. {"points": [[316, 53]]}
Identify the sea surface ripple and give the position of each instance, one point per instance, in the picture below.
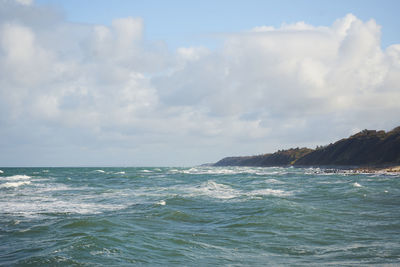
{"points": [[232, 216]]}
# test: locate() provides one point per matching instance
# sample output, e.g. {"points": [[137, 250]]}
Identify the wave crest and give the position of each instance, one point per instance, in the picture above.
{"points": [[14, 184]]}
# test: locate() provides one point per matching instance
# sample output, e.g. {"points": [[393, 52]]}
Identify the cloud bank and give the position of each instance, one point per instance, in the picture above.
{"points": [[73, 94]]}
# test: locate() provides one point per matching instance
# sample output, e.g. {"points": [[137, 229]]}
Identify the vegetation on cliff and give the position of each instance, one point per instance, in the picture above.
{"points": [[279, 158], [366, 148]]}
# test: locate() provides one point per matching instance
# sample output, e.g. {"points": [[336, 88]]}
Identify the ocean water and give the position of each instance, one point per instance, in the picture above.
{"points": [[202, 216]]}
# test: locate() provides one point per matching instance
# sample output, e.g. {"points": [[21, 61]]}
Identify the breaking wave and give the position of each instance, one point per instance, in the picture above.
{"points": [[17, 177], [14, 184]]}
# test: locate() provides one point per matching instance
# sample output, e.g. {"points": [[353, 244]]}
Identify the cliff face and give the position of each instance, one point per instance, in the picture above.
{"points": [[280, 158], [366, 148]]}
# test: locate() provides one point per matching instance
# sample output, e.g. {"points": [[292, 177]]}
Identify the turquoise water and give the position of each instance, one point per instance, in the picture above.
{"points": [[197, 216]]}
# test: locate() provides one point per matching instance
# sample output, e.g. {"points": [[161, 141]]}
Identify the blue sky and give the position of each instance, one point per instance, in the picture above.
{"points": [[181, 83], [182, 23]]}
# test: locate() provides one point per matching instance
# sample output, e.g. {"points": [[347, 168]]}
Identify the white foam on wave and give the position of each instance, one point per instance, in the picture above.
{"points": [[159, 176], [333, 182], [357, 185], [120, 172], [273, 181], [37, 206], [17, 177], [214, 190], [260, 171], [146, 171], [43, 188], [14, 184], [100, 171], [276, 172], [210, 171], [161, 203], [221, 191], [209, 188], [40, 200], [1, 171], [269, 192]]}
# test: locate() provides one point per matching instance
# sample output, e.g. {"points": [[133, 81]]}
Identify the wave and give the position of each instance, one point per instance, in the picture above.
{"points": [[100, 171], [209, 171], [215, 190], [357, 185], [1, 171], [17, 177], [269, 192], [161, 203], [14, 184], [274, 181], [222, 191], [47, 205], [120, 173], [261, 171]]}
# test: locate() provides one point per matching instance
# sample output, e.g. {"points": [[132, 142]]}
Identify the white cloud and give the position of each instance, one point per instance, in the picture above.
{"points": [[24, 2], [68, 88]]}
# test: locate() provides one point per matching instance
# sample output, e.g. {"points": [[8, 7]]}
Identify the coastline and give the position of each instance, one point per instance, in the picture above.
{"points": [[368, 151], [392, 169]]}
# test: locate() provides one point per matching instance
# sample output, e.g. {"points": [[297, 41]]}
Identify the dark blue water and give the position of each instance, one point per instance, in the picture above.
{"points": [[198, 216]]}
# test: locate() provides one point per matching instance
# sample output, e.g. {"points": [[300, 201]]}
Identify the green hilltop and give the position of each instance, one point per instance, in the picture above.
{"points": [[368, 148]]}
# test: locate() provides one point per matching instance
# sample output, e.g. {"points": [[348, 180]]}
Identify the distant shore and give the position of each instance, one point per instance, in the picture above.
{"points": [[393, 169], [370, 150]]}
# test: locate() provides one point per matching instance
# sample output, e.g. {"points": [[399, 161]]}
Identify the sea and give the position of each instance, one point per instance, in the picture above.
{"points": [[199, 216]]}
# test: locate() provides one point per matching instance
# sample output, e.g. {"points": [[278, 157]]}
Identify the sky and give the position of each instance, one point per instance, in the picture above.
{"points": [[181, 83]]}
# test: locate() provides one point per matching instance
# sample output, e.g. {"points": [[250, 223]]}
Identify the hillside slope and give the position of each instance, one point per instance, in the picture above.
{"points": [[280, 158], [366, 148]]}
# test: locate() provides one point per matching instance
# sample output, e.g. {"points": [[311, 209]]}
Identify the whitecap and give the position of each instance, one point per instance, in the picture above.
{"points": [[100, 171], [18, 177], [14, 184], [264, 173], [1, 171], [50, 205], [161, 203], [120, 173], [214, 190], [269, 192], [236, 170], [146, 171], [212, 170], [274, 181], [357, 185], [42, 188]]}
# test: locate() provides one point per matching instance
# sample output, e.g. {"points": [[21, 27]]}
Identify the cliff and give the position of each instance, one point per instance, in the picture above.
{"points": [[280, 158], [366, 148]]}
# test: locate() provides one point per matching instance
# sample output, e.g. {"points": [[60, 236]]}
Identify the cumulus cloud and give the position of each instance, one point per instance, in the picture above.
{"points": [[25, 2], [96, 94], [294, 77]]}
